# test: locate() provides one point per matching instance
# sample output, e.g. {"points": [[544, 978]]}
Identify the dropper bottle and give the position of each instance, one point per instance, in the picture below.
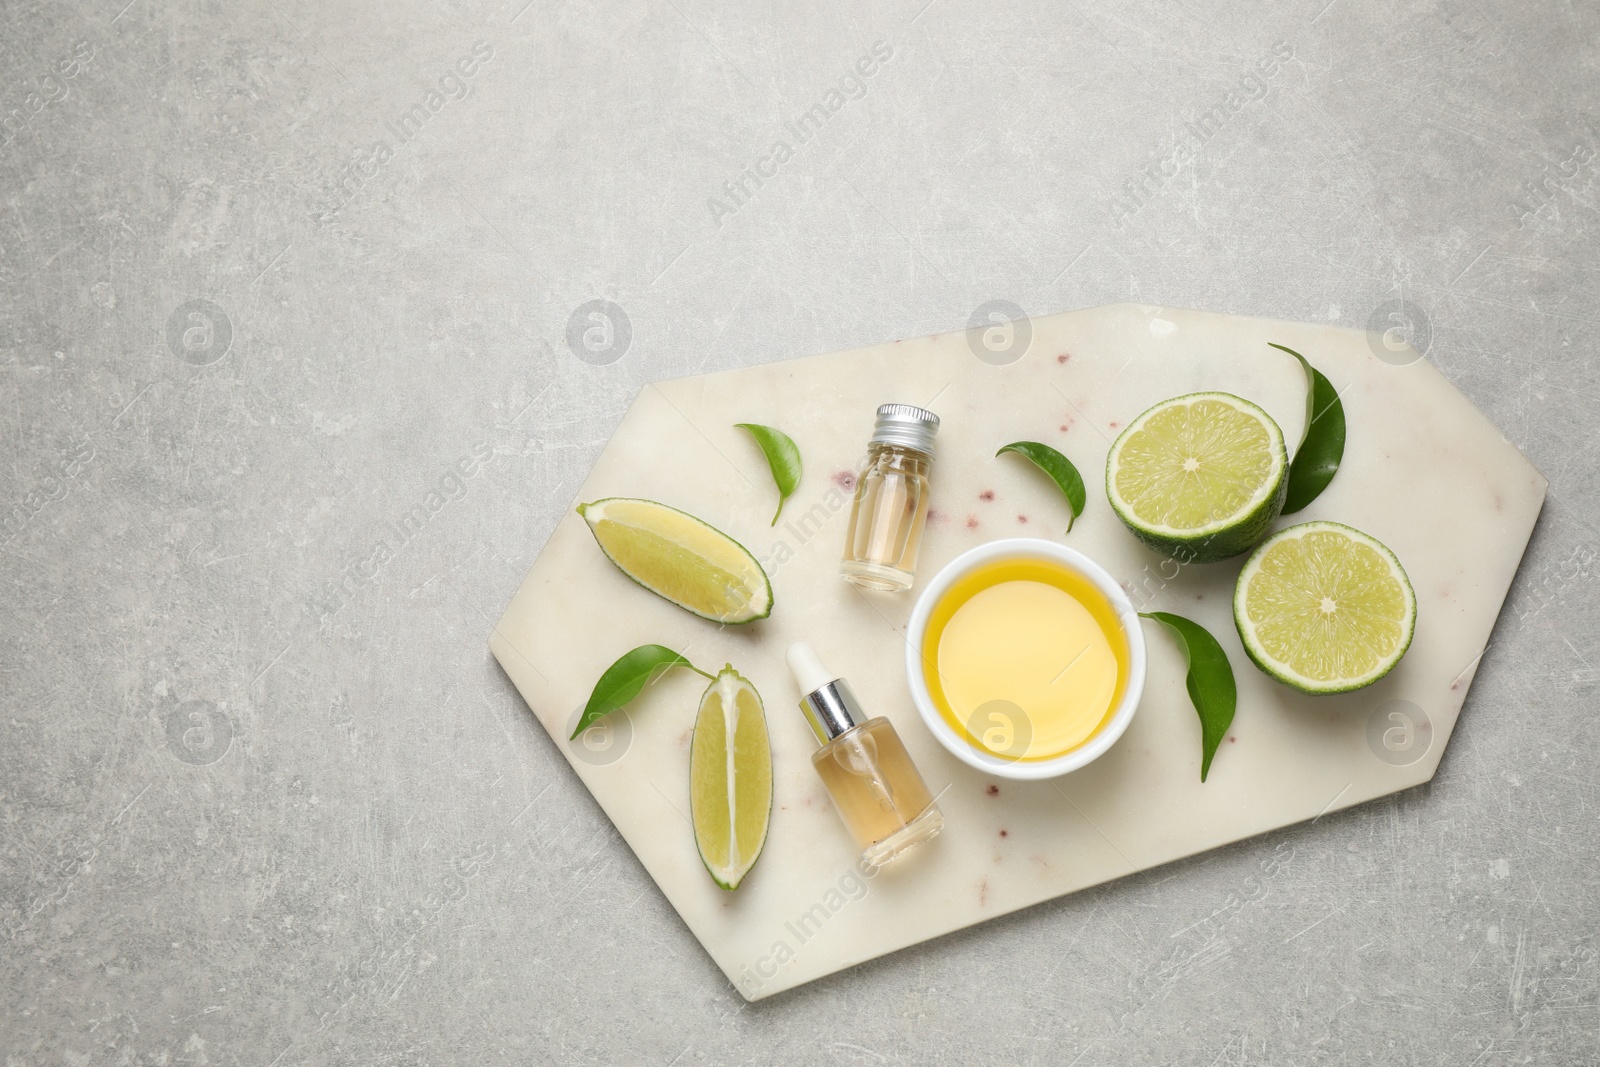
{"points": [[864, 765]]}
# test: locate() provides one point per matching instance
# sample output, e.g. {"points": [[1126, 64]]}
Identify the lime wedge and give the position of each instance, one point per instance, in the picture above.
{"points": [[1324, 608], [730, 778], [1199, 477], [678, 557]]}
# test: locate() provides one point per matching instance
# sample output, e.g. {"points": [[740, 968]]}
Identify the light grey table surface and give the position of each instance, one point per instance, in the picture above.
{"points": [[257, 322]]}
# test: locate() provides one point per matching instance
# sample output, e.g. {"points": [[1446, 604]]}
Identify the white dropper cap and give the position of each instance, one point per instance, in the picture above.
{"points": [[825, 699], [809, 673]]}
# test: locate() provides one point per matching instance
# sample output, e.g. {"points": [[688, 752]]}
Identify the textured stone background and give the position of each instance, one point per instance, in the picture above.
{"points": [[249, 819]]}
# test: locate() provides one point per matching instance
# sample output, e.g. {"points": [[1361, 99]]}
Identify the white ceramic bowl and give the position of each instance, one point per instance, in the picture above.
{"points": [[1048, 551]]}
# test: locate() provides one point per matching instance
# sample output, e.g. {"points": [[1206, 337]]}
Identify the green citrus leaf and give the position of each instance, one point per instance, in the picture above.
{"points": [[1211, 685], [1316, 461], [1059, 468], [783, 456], [625, 679]]}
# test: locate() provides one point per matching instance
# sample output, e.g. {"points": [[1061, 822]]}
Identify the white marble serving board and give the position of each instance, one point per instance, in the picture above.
{"points": [[1423, 471]]}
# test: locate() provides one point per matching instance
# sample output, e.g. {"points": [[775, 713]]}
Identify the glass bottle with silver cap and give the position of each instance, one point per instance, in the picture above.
{"points": [[875, 787], [891, 500]]}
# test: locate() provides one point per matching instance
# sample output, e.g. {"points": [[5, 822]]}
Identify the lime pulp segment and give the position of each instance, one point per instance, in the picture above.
{"points": [[730, 778], [679, 557]]}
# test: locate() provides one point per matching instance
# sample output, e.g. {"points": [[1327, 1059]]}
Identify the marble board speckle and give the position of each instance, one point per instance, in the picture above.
{"points": [[1424, 472]]}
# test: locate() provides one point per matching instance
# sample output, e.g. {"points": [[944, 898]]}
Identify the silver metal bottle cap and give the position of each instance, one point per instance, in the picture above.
{"points": [[906, 425], [832, 710]]}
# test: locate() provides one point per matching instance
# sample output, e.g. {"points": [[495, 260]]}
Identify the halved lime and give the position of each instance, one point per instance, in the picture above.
{"points": [[1199, 477], [1324, 608], [730, 778], [678, 557]]}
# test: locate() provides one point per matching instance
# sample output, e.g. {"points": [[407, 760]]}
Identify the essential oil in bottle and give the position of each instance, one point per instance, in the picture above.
{"points": [[875, 787], [891, 502]]}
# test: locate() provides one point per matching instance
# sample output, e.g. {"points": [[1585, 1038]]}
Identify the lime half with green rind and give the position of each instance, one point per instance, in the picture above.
{"points": [[1324, 608], [1200, 477]]}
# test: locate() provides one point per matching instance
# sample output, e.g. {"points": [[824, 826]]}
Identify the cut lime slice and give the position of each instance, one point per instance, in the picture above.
{"points": [[730, 778], [1324, 608], [678, 557], [1199, 477]]}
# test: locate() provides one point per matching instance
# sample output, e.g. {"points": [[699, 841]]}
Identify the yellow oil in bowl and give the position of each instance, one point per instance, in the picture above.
{"points": [[1025, 659]]}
